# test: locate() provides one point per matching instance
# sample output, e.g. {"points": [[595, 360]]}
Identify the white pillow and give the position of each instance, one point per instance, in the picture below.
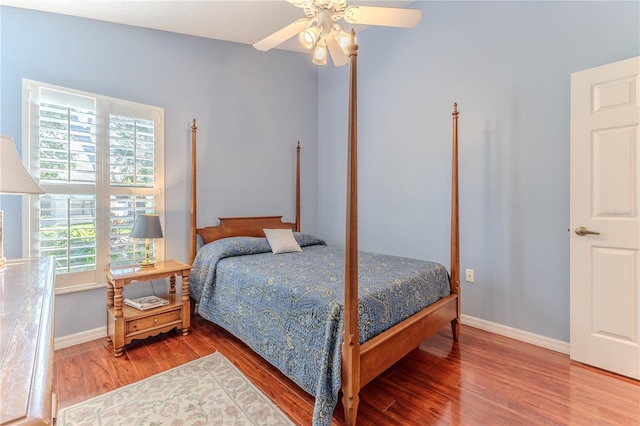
{"points": [[281, 240]]}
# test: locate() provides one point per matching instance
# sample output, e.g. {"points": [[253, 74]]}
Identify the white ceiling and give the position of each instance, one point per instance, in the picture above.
{"points": [[241, 21]]}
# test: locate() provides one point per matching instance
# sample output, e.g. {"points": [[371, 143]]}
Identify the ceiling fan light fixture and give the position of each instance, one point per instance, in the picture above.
{"points": [[320, 53], [309, 37], [343, 38], [320, 33]]}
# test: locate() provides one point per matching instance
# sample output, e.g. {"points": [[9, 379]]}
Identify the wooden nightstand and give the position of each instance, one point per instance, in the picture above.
{"points": [[125, 323]]}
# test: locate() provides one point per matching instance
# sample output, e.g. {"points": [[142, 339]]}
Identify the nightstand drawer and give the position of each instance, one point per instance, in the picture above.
{"points": [[151, 321]]}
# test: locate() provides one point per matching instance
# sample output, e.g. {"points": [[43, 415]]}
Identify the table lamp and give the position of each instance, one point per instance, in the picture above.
{"points": [[14, 179], [147, 226]]}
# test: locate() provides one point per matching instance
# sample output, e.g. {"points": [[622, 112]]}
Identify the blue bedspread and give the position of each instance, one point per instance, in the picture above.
{"points": [[289, 307]]}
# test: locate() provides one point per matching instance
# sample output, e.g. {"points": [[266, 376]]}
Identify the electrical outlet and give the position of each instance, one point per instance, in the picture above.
{"points": [[470, 276]]}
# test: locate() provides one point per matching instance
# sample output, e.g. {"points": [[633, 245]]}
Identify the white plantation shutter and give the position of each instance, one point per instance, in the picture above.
{"points": [[68, 231], [67, 142], [123, 210], [134, 182], [67, 172], [99, 161], [132, 151]]}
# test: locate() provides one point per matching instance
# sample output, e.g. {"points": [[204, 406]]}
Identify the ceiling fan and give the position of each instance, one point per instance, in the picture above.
{"points": [[320, 30]]}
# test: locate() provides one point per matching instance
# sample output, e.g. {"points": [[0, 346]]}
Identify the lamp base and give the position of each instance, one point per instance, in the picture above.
{"points": [[147, 264]]}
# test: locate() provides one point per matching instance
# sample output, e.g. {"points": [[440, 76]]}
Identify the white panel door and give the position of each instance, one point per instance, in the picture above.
{"points": [[605, 180]]}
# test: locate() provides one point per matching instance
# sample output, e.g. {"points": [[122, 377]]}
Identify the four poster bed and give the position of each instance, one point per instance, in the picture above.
{"points": [[293, 309]]}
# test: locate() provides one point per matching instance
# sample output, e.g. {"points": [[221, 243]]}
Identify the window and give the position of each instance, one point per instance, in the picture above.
{"points": [[100, 162]]}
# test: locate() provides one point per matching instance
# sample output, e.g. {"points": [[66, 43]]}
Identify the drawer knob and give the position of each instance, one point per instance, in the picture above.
{"points": [[155, 320]]}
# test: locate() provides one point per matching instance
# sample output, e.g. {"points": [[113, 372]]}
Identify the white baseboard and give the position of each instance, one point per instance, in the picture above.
{"points": [[514, 333], [82, 337], [503, 330]]}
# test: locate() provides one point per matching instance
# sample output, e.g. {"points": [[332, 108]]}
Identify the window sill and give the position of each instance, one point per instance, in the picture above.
{"points": [[79, 287]]}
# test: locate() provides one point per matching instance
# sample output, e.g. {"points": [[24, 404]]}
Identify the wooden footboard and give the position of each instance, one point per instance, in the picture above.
{"points": [[384, 350]]}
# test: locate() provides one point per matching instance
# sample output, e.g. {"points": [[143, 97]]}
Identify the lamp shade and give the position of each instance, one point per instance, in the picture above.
{"points": [[147, 226], [14, 177]]}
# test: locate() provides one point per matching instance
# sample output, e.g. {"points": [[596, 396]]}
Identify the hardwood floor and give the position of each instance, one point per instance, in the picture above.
{"points": [[484, 379]]}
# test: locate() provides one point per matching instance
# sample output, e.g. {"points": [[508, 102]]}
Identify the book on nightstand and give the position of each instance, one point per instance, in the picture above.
{"points": [[146, 302]]}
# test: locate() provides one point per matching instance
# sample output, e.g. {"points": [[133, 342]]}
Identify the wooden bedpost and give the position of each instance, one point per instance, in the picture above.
{"points": [[455, 225], [298, 188], [192, 223], [350, 344]]}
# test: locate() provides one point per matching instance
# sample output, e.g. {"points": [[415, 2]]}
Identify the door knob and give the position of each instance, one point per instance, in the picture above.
{"points": [[582, 231]]}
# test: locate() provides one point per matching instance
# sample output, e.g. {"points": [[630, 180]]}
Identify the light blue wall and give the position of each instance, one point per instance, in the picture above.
{"points": [[508, 66], [252, 108]]}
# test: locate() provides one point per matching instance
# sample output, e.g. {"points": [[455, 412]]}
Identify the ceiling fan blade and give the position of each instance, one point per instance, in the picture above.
{"points": [[301, 3], [338, 57], [385, 16], [283, 35]]}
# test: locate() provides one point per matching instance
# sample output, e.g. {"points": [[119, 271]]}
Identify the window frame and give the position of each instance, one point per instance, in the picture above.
{"points": [[105, 106]]}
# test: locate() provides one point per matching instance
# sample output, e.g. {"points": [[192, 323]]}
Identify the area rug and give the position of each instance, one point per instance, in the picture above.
{"points": [[207, 391]]}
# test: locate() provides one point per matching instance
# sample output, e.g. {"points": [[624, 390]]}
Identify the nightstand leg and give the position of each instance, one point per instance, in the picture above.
{"points": [[118, 340], [110, 294], [186, 306], [117, 302], [172, 284]]}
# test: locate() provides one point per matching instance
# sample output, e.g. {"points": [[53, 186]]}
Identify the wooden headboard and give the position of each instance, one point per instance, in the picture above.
{"points": [[243, 227], [235, 226]]}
